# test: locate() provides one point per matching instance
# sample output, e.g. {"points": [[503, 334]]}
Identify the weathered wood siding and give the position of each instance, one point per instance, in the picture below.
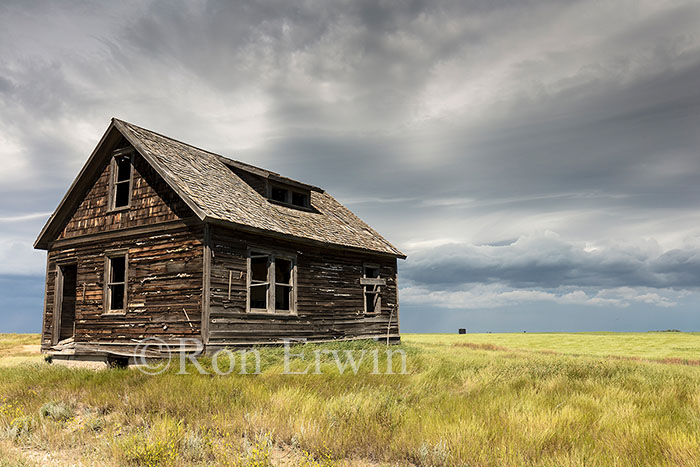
{"points": [[152, 202], [329, 295], [164, 287], [165, 249]]}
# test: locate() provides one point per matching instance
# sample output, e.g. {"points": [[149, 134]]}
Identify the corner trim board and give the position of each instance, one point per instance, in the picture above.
{"points": [[206, 283]]}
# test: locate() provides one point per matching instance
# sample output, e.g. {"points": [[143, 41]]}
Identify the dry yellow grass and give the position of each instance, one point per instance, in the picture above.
{"points": [[457, 405]]}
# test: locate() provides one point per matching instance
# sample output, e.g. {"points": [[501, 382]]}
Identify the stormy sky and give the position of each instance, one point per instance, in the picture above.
{"points": [[538, 161]]}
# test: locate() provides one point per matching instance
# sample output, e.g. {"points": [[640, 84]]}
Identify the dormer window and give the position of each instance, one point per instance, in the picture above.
{"points": [[279, 194], [121, 179], [289, 196], [300, 199]]}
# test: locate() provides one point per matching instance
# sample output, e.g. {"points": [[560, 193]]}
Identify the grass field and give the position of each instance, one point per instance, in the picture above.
{"points": [[476, 399], [646, 345]]}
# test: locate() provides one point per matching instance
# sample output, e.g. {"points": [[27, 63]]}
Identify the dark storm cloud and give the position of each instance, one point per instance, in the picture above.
{"points": [[548, 262], [617, 117], [438, 122]]}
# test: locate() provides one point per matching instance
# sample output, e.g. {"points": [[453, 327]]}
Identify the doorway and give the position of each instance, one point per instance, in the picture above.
{"points": [[66, 284]]}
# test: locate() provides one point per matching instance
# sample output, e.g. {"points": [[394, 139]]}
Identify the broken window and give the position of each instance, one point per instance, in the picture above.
{"points": [[372, 289], [259, 282], [271, 284], [116, 284], [283, 284], [121, 181]]}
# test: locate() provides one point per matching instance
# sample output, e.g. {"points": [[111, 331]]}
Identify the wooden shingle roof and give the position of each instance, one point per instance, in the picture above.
{"points": [[207, 183]]}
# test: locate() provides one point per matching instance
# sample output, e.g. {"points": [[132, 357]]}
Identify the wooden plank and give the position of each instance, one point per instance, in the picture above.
{"points": [[58, 296], [372, 281], [206, 285]]}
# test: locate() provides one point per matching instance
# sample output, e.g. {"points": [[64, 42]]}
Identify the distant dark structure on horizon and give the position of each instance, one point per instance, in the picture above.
{"points": [[157, 238]]}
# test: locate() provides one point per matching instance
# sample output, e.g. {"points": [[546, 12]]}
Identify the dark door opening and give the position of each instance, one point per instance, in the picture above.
{"points": [[68, 281]]}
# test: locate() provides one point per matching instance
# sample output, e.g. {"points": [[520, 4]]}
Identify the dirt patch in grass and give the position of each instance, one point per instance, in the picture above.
{"points": [[471, 345], [30, 349]]}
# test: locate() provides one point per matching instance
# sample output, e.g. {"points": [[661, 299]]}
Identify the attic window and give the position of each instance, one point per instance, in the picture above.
{"points": [[121, 180], [289, 196], [300, 199], [279, 194]]}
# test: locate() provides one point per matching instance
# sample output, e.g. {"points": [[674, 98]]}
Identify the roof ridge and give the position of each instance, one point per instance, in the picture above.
{"points": [[203, 180], [202, 149]]}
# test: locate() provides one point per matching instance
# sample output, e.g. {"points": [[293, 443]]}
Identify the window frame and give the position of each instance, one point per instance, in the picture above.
{"points": [[114, 173], [272, 256], [107, 297], [376, 283], [289, 196]]}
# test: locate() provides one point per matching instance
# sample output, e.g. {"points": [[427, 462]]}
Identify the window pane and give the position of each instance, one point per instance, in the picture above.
{"points": [[279, 194], [121, 195], [283, 271], [372, 273], [258, 296], [123, 168], [118, 267], [258, 269], [299, 199], [282, 297], [371, 302], [117, 297]]}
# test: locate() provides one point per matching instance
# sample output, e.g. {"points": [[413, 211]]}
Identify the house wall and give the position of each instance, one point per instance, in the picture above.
{"points": [[165, 251], [329, 295], [164, 289], [152, 202]]}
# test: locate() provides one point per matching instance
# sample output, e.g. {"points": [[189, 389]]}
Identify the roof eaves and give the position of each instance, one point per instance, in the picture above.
{"points": [[273, 233], [41, 242]]}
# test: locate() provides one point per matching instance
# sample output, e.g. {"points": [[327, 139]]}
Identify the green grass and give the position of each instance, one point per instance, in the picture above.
{"points": [[499, 400]]}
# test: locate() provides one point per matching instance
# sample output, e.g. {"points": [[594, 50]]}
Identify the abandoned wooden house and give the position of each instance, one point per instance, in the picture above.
{"points": [[157, 238]]}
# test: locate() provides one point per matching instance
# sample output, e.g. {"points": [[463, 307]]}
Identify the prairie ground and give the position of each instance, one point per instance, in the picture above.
{"points": [[475, 399]]}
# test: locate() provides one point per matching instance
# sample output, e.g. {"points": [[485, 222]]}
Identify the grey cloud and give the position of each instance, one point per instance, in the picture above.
{"points": [[473, 122], [549, 262]]}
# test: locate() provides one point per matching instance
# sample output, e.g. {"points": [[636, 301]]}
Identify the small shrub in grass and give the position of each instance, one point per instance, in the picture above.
{"points": [[197, 446], [256, 453], [435, 455], [95, 424], [154, 445], [324, 459], [138, 449], [57, 411], [20, 427], [9, 410]]}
